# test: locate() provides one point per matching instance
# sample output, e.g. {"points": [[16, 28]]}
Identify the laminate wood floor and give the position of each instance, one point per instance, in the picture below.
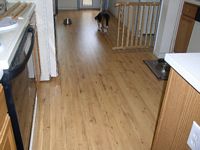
{"points": [[102, 99]]}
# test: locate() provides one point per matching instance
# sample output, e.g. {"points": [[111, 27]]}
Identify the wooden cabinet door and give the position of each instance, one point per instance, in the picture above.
{"points": [[3, 108], [189, 10], [7, 141], [184, 34], [179, 109]]}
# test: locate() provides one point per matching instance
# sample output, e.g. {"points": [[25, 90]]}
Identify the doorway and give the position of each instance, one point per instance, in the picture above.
{"points": [[89, 4]]}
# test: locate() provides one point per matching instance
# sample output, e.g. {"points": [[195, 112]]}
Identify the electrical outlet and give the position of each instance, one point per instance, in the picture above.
{"points": [[194, 137]]}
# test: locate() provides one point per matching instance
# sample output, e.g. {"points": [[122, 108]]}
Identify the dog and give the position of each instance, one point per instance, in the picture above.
{"points": [[102, 19]]}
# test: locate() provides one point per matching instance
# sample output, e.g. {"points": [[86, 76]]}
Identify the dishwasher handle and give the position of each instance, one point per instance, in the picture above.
{"points": [[16, 69]]}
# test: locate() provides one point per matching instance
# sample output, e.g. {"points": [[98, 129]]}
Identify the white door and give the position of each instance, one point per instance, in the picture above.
{"points": [[91, 4]]}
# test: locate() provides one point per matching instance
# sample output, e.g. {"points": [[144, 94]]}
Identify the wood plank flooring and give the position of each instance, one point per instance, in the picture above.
{"points": [[102, 99]]}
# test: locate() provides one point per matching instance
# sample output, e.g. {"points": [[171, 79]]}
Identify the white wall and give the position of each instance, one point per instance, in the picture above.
{"points": [[163, 14], [74, 4], [96, 3], [46, 37], [194, 45], [67, 4], [167, 28]]}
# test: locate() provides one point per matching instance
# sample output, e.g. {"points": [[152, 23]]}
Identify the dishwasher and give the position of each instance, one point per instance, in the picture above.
{"points": [[20, 91]]}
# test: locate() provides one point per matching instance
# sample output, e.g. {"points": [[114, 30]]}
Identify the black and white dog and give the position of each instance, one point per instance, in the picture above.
{"points": [[102, 19]]}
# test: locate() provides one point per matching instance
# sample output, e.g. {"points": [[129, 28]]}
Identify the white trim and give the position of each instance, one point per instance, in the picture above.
{"points": [[33, 123], [51, 42], [46, 38], [176, 25], [159, 25], [170, 16], [65, 8]]}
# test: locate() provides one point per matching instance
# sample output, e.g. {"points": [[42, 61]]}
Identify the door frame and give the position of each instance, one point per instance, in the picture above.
{"points": [[165, 43], [80, 6]]}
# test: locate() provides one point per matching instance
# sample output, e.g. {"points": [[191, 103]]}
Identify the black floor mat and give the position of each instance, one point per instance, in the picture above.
{"points": [[159, 68]]}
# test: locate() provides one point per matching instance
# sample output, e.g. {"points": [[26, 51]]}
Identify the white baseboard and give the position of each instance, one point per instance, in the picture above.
{"points": [[33, 124], [44, 77], [68, 8]]}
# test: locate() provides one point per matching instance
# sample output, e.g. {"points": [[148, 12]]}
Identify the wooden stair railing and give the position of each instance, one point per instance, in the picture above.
{"points": [[137, 24]]}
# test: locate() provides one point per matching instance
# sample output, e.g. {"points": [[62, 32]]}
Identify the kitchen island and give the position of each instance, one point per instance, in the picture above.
{"points": [[187, 65], [181, 103]]}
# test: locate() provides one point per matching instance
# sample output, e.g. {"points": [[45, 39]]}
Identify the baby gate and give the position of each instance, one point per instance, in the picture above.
{"points": [[137, 24]]}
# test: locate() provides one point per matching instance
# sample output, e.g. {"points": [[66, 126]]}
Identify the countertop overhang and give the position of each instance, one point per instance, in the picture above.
{"points": [[11, 40], [187, 65]]}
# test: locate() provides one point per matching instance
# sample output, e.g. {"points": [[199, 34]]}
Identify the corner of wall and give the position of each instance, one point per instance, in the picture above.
{"points": [[46, 39], [158, 54]]}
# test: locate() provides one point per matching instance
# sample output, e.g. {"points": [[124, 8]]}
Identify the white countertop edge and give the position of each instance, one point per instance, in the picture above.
{"points": [[187, 75]]}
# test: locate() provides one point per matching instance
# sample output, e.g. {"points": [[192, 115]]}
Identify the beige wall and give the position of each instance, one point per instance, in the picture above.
{"points": [[67, 4]]}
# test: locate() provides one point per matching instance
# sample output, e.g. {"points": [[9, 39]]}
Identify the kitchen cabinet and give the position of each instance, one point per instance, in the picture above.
{"points": [[185, 28], [184, 34], [36, 56], [3, 108], [179, 109], [7, 138], [7, 141]]}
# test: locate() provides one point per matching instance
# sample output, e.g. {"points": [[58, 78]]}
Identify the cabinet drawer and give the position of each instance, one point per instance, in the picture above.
{"points": [[3, 108], [7, 141], [190, 10]]}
